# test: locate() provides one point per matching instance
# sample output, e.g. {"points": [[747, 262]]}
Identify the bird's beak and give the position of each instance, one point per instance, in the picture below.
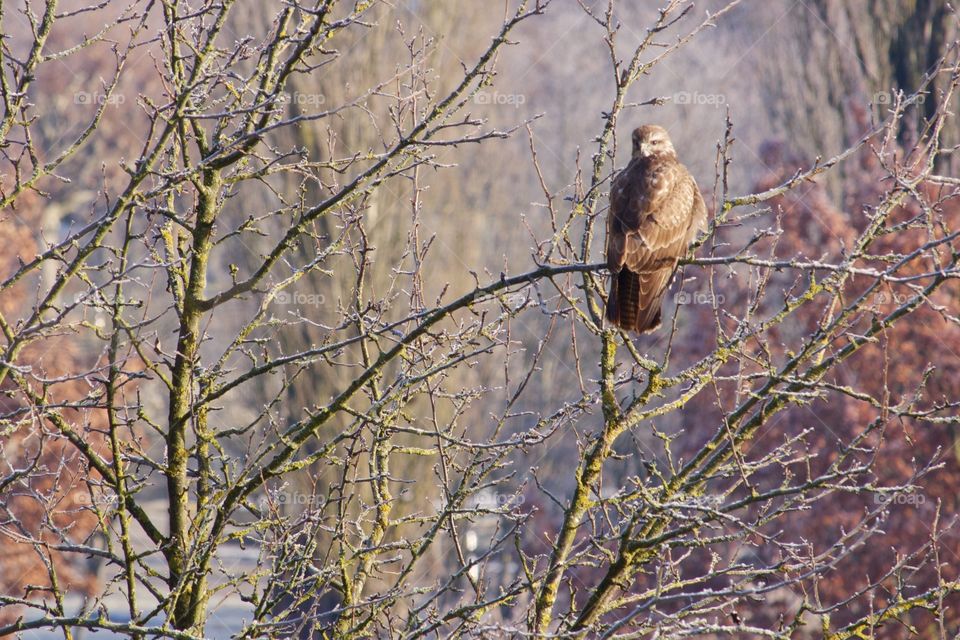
{"points": [[645, 149]]}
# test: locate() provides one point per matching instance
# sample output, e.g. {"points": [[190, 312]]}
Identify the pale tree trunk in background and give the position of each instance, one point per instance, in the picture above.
{"points": [[455, 33], [835, 57]]}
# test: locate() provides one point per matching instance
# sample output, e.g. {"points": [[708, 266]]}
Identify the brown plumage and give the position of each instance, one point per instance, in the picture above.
{"points": [[656, 211]]}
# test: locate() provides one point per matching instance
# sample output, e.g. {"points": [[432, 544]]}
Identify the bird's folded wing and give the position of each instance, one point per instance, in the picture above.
{"points": [[662, 235]]}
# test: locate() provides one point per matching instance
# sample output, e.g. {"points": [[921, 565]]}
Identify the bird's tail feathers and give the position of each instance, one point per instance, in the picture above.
{"points": [[635, 299]]}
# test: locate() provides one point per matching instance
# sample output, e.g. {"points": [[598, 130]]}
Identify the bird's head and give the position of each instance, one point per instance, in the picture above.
{"points": [[651, 140]]}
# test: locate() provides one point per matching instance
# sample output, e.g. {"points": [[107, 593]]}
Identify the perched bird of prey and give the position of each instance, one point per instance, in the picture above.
{"points": [[655, 213]]}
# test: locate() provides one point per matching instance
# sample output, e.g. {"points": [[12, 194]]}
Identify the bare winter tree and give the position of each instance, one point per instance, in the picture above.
{"points": [[244, 371]]}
